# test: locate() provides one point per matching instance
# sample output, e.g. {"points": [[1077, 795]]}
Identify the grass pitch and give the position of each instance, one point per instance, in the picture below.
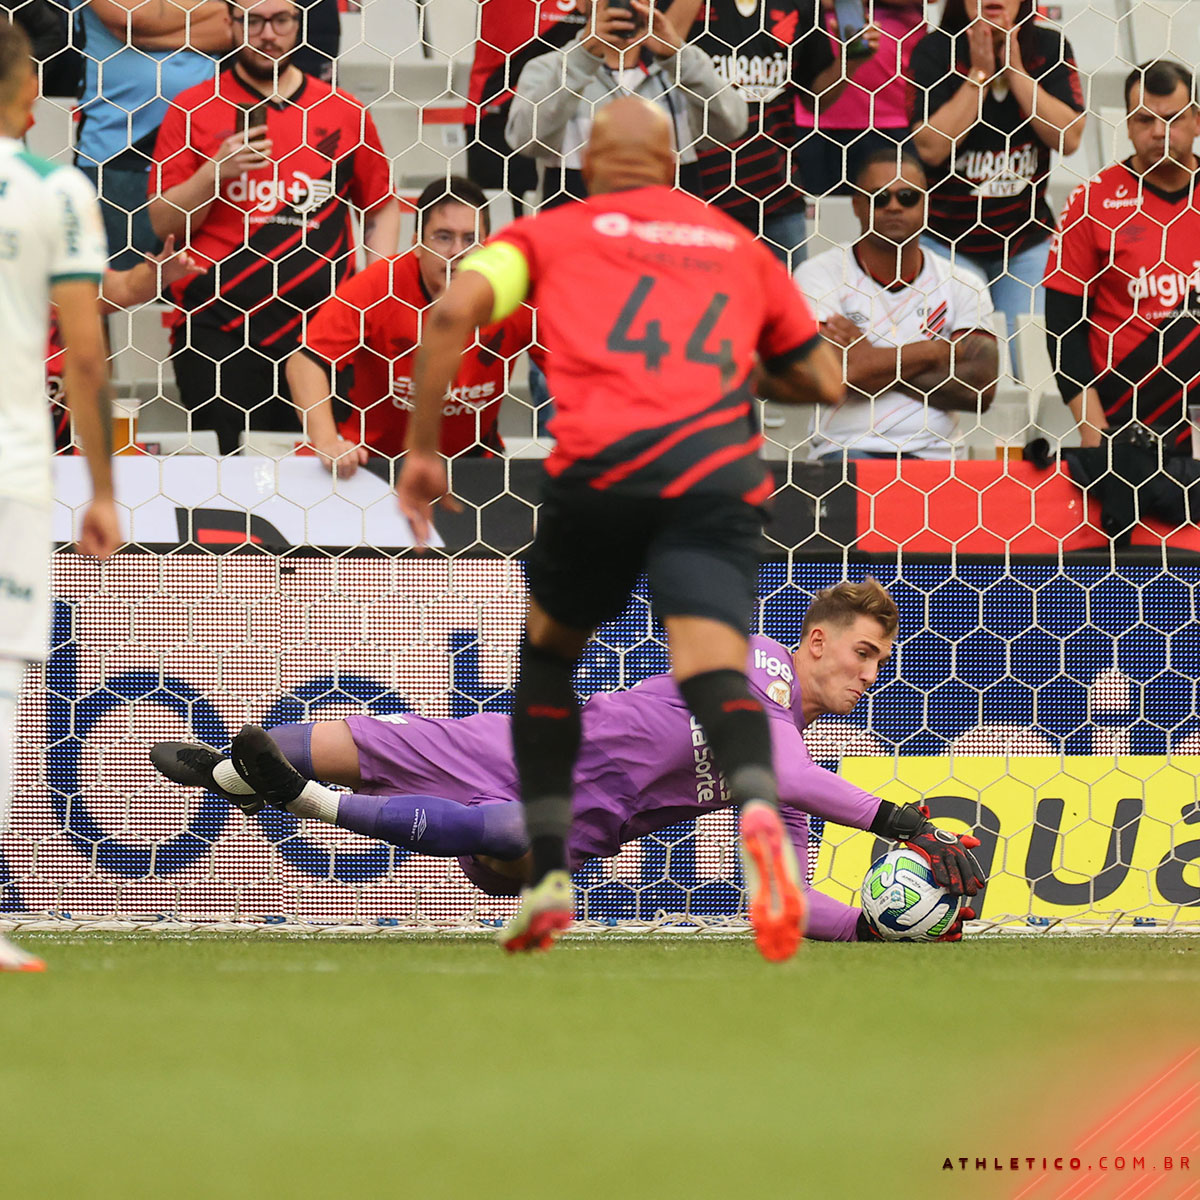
{"points": [[664, 1067]]}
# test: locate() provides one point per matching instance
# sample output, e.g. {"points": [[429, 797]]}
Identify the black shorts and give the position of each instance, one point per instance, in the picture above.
{"points": [[701, 555]]}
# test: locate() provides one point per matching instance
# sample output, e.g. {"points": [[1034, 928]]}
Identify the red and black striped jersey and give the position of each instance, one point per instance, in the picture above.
{"points": [[511, 32], [60, 415], [276, 242], [766, 50], [989, 196], [1133, 253], [651, 307], [369, 331]]}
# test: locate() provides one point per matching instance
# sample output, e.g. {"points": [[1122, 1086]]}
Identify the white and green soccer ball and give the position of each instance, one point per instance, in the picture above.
{"points": [[902, 902]]}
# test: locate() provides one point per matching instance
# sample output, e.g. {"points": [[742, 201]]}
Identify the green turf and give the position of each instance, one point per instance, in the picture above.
{"points": [[222, 1066]]}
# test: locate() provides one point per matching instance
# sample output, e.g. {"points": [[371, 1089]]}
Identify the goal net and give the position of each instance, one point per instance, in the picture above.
{"points": [[1042, 692]]}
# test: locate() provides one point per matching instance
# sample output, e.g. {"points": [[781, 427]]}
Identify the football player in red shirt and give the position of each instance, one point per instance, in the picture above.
{"points": [[368, 331], [1122, 316], [655, 311]]}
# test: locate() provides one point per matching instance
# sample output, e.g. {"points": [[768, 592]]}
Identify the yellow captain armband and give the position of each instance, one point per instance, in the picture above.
{"points": [[505, 268]]}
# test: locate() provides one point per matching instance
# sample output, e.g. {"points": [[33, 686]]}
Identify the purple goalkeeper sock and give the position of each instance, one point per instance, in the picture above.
{"points": [[441, 828], [295, 741]]}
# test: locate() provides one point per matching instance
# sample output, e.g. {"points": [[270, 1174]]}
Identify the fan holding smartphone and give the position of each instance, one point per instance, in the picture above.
{"points": [[626, 47], [851, 21], [254, 117]]}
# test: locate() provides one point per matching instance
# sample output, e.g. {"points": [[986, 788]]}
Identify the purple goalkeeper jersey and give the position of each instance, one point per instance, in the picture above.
{"points": [[644, 763]]}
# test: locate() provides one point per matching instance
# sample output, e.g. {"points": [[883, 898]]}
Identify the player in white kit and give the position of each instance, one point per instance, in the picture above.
{"points": [[52, 251]]}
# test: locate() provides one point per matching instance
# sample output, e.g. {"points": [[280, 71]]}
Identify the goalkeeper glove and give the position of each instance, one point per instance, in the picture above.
{"points": [[865, 933], [954, 866], [955, 932]]}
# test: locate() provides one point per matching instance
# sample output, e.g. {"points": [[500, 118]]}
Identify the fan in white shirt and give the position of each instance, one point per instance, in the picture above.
{"points": [[915, 331]]}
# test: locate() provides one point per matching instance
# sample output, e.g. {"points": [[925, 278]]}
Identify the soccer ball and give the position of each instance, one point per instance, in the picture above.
{"points": [[901, 901]]}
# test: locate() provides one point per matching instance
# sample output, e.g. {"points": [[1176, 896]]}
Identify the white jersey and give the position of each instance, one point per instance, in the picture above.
{"points": [[50, 231], [940, 301]]}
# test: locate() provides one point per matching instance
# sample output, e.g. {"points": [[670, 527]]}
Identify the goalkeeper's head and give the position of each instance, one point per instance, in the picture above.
{"points": [[848, 633]]}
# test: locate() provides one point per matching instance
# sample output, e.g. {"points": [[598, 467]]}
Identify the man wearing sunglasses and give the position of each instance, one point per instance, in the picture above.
{"points": [[262, 171], [913, 330]]}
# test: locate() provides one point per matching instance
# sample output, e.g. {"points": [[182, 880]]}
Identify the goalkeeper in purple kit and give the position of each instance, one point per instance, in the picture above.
{"points": [[449, 787]]}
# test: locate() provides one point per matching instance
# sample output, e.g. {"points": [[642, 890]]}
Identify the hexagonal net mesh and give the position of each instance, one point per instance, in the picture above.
{"points": [[1042, 691]]}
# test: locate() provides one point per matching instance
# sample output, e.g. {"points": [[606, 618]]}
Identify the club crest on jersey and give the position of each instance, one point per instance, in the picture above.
{"points": [[779, 691], [935, 321], [302, 192]]}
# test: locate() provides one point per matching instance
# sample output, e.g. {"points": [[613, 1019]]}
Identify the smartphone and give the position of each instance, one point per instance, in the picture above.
{"points": [[254, 116], [626, 10], [851, 21]]}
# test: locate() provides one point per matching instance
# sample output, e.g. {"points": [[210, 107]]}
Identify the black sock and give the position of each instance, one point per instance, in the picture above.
{"points": [[545, 732], [737, 730]]}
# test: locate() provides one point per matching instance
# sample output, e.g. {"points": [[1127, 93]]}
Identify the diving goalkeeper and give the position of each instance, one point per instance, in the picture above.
{"points": [[449, 787]]}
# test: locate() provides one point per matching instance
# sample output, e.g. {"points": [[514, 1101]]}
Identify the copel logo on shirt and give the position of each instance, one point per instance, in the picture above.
{"points": [[663, 233], [1121, 199], [459, 400], [302, 192]]}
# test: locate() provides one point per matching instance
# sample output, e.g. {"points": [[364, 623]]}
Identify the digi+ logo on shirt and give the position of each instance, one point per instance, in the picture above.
{"points": [[302, 192]]}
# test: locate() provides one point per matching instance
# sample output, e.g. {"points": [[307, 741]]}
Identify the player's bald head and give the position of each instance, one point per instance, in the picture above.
{"points": [[631, 145]]}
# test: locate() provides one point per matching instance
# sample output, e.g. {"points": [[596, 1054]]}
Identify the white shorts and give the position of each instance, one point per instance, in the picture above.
{"points": [[25, 547]]}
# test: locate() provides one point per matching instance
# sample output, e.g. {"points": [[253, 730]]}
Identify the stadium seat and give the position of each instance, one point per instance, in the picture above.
{"points": [[382, 30], [53, 132], [835, 225], [1114, 135], [422, 142], [1098, 31], [1050, 417], [140, 345], [1164, 28]]}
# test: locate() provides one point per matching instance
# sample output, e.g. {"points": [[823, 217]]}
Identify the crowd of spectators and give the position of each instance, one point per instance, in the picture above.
{"points": [[210, 121]]}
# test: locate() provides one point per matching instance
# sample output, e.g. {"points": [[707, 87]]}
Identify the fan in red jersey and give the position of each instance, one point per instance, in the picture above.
{"points": [[368, 333], [1122, 313], [263, 170], [654, 310]]}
